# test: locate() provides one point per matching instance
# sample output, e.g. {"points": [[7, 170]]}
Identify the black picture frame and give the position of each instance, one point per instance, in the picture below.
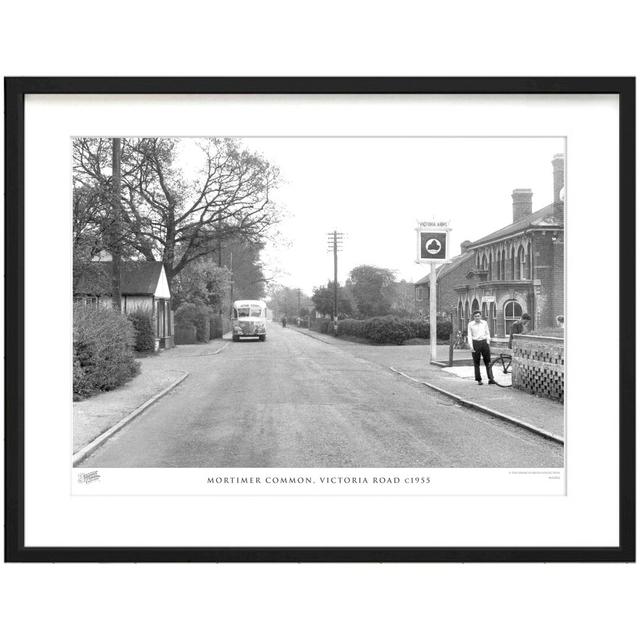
{"points": [[15, 91]]}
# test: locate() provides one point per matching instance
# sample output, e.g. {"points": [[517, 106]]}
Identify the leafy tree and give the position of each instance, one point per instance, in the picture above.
{"points": [[201, 281], [403, 298], [242, 258], [323, 299], [284, 301], [372, 289]]}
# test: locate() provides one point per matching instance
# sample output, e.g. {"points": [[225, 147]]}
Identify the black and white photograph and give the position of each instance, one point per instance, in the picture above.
{"points": [[319, 302]]}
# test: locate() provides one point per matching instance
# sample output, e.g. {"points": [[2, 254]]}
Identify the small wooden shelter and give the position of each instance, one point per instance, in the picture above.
{"points": [[143, 287]]}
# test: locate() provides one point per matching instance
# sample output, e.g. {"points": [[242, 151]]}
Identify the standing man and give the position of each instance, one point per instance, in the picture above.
{"points": [[519, 326], [479, 339]]}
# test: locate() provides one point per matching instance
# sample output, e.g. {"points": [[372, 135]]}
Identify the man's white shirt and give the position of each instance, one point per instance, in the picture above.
{"points": [[478, 331]]}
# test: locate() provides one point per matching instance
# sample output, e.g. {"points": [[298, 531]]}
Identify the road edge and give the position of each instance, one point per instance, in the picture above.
{"points": [[483, 409], [309, 333], [81, 454]]}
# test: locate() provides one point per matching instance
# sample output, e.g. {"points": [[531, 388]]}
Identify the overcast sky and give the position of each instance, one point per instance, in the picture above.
{"points": [[374, 190]]}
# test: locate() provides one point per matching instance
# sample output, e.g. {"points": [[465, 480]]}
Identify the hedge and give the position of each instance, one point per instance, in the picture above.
{"points": [[191, 315], [323, 325], [218, 326], [145, 334], [103, 356], [386, 329]]}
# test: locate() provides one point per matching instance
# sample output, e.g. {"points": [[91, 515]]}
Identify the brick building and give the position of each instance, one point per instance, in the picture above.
{"points": [[514, 270], [448, 276]]}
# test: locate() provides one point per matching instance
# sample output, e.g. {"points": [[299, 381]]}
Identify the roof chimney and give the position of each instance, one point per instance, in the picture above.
{"points": [[522, 205], [464, 245], [558, 176]]}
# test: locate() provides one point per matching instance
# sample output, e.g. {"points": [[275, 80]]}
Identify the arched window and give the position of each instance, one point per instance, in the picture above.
{"points": [[484, 262], [475, 306], [461, 324], [492, 319], [499, 265], [512, 312], [467, 315], [484, 311], [503, 266], [490, 276]]}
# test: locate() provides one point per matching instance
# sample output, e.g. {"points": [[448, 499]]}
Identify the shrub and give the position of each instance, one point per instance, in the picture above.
{"points": [[443, 329], [103, 357], [186, 314], [323, 325], [191, 315], [391, 330], [185, 334], [216, 327], [202, 325], [386, 330], [351, 327], [203, 321], [145, 334], [417, 328]]}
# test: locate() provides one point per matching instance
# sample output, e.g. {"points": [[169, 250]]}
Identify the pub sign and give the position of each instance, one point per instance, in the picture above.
{"points": [[433, 241]]}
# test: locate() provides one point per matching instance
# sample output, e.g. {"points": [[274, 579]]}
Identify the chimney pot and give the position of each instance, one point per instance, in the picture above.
{"points": [[522, 203]]}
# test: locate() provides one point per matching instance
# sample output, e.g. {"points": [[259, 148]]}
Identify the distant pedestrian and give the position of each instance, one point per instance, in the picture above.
{"points": [[519, 326], [479, 341], [560, 321], [284, 321]]}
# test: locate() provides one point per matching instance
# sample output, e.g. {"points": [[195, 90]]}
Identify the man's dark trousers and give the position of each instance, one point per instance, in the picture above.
{"points": [[481, 348]]}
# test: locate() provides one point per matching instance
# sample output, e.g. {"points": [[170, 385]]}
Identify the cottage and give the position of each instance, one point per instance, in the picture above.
{"points": [[143, 287]]}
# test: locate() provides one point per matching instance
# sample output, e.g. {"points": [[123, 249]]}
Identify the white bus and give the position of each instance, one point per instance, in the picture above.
{"points": [[249, 320]]}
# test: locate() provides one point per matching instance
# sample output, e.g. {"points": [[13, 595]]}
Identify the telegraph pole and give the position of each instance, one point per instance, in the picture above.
{"points": [[116, 224], [335, 245]]}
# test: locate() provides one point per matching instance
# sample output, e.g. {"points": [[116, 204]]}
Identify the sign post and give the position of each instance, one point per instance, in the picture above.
{"points": [[433, 249]]}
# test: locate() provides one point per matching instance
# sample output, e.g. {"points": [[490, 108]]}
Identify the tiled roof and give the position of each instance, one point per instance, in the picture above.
{"points": [[549, 216], [137, 278], [443, 269]]}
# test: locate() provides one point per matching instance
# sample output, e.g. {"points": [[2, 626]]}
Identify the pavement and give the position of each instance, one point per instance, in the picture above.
{"points": [[412, 361], [159, 372]]}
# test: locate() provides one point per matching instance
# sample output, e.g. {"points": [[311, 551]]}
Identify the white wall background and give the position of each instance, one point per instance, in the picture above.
{"points": [[329, 38]]}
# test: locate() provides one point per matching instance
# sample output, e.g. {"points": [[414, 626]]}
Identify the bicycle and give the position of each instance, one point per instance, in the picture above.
{"points": [[501, 370], [459, 342]]}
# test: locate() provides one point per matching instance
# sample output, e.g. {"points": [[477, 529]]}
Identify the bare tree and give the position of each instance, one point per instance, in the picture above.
{"points": [[176, 219]]}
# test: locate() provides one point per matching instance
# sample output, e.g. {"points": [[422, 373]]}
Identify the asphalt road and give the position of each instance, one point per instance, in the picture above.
{"points": [[294, 401]]}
